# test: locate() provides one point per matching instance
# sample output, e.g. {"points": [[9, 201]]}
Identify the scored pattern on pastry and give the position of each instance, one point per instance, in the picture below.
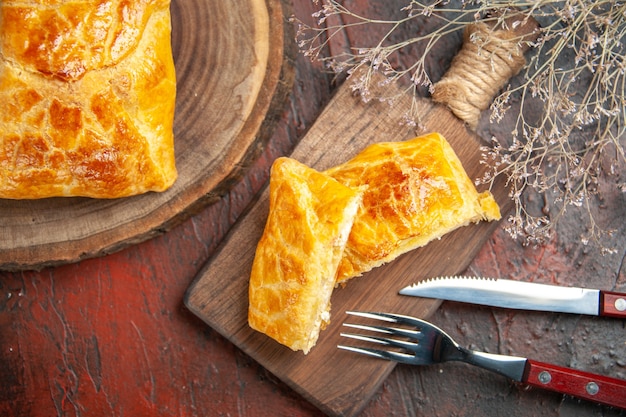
{"points": [[325, 228], [293, 273], [88, 90], [414, 192]]}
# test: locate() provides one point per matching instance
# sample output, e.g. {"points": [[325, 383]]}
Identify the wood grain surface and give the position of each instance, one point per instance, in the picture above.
{"points": [[233, 75], [109, 336], [339, 382]]}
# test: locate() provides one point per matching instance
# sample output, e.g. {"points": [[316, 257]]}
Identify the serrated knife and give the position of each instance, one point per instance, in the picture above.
{"points": [[521, 295]]}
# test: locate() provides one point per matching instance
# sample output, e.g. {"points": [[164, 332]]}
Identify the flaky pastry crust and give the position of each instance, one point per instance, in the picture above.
{"points": [[415, 191], [293, 273], [88, 91]]}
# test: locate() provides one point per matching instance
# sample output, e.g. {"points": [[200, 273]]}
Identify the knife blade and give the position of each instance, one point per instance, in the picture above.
{"points": [[521, 295]]}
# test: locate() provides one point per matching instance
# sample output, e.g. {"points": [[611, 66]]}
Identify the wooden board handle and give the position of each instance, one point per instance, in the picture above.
{"points": [[612, 304], [597, 388]]}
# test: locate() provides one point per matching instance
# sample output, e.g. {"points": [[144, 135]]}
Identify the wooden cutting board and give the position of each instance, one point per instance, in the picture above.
{"points": [[339, 382], [234, 67]]}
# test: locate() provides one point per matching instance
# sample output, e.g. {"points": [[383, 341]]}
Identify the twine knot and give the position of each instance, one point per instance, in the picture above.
{"points": [[488, 59]]}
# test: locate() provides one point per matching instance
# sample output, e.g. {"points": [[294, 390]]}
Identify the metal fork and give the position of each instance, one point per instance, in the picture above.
{"points": [[418, 342]]}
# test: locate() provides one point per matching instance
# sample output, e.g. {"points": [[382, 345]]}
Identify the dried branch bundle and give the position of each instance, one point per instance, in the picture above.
{"points": [[575, 76]]}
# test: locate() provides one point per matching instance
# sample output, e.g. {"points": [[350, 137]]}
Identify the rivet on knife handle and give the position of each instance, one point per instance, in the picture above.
{"points": [[613, 304]]}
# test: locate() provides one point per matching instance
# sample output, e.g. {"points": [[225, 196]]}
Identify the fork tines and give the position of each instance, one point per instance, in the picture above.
{"points": [[407, 343]]}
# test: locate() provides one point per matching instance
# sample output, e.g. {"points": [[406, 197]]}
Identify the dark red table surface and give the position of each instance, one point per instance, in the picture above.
{"points": [[111, 336]]}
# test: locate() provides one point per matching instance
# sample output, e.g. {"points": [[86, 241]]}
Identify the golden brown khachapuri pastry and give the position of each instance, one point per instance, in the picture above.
{"points": [[416, 191], [88, 93], [293, 273]]}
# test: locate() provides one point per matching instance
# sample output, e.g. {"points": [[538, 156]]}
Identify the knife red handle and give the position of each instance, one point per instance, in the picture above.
{"points": [[597, 388], [612, 304]]}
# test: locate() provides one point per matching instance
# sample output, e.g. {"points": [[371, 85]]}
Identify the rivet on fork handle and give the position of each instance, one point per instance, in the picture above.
{"points": [[582, 384]]}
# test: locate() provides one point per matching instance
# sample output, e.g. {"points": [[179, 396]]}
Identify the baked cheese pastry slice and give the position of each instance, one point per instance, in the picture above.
{"points": [[293, 272], [88, 94], [415, 191]]}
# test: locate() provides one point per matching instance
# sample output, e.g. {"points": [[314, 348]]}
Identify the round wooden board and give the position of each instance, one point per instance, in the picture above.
{"points": [[232, 70]]}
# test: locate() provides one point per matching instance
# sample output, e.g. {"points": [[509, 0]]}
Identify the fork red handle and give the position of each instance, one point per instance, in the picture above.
{"points": [[597, 388]]}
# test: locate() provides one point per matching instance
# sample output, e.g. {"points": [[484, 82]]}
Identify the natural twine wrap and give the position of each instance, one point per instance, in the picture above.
{"points": [[488, 59]]}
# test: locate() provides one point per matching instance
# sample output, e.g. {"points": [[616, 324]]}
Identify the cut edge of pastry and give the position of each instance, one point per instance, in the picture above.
{"points": [[322, 316], [297, 325]]}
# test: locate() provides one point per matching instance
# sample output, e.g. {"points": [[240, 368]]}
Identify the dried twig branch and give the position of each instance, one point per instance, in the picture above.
{"points": [[576, 76]]}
